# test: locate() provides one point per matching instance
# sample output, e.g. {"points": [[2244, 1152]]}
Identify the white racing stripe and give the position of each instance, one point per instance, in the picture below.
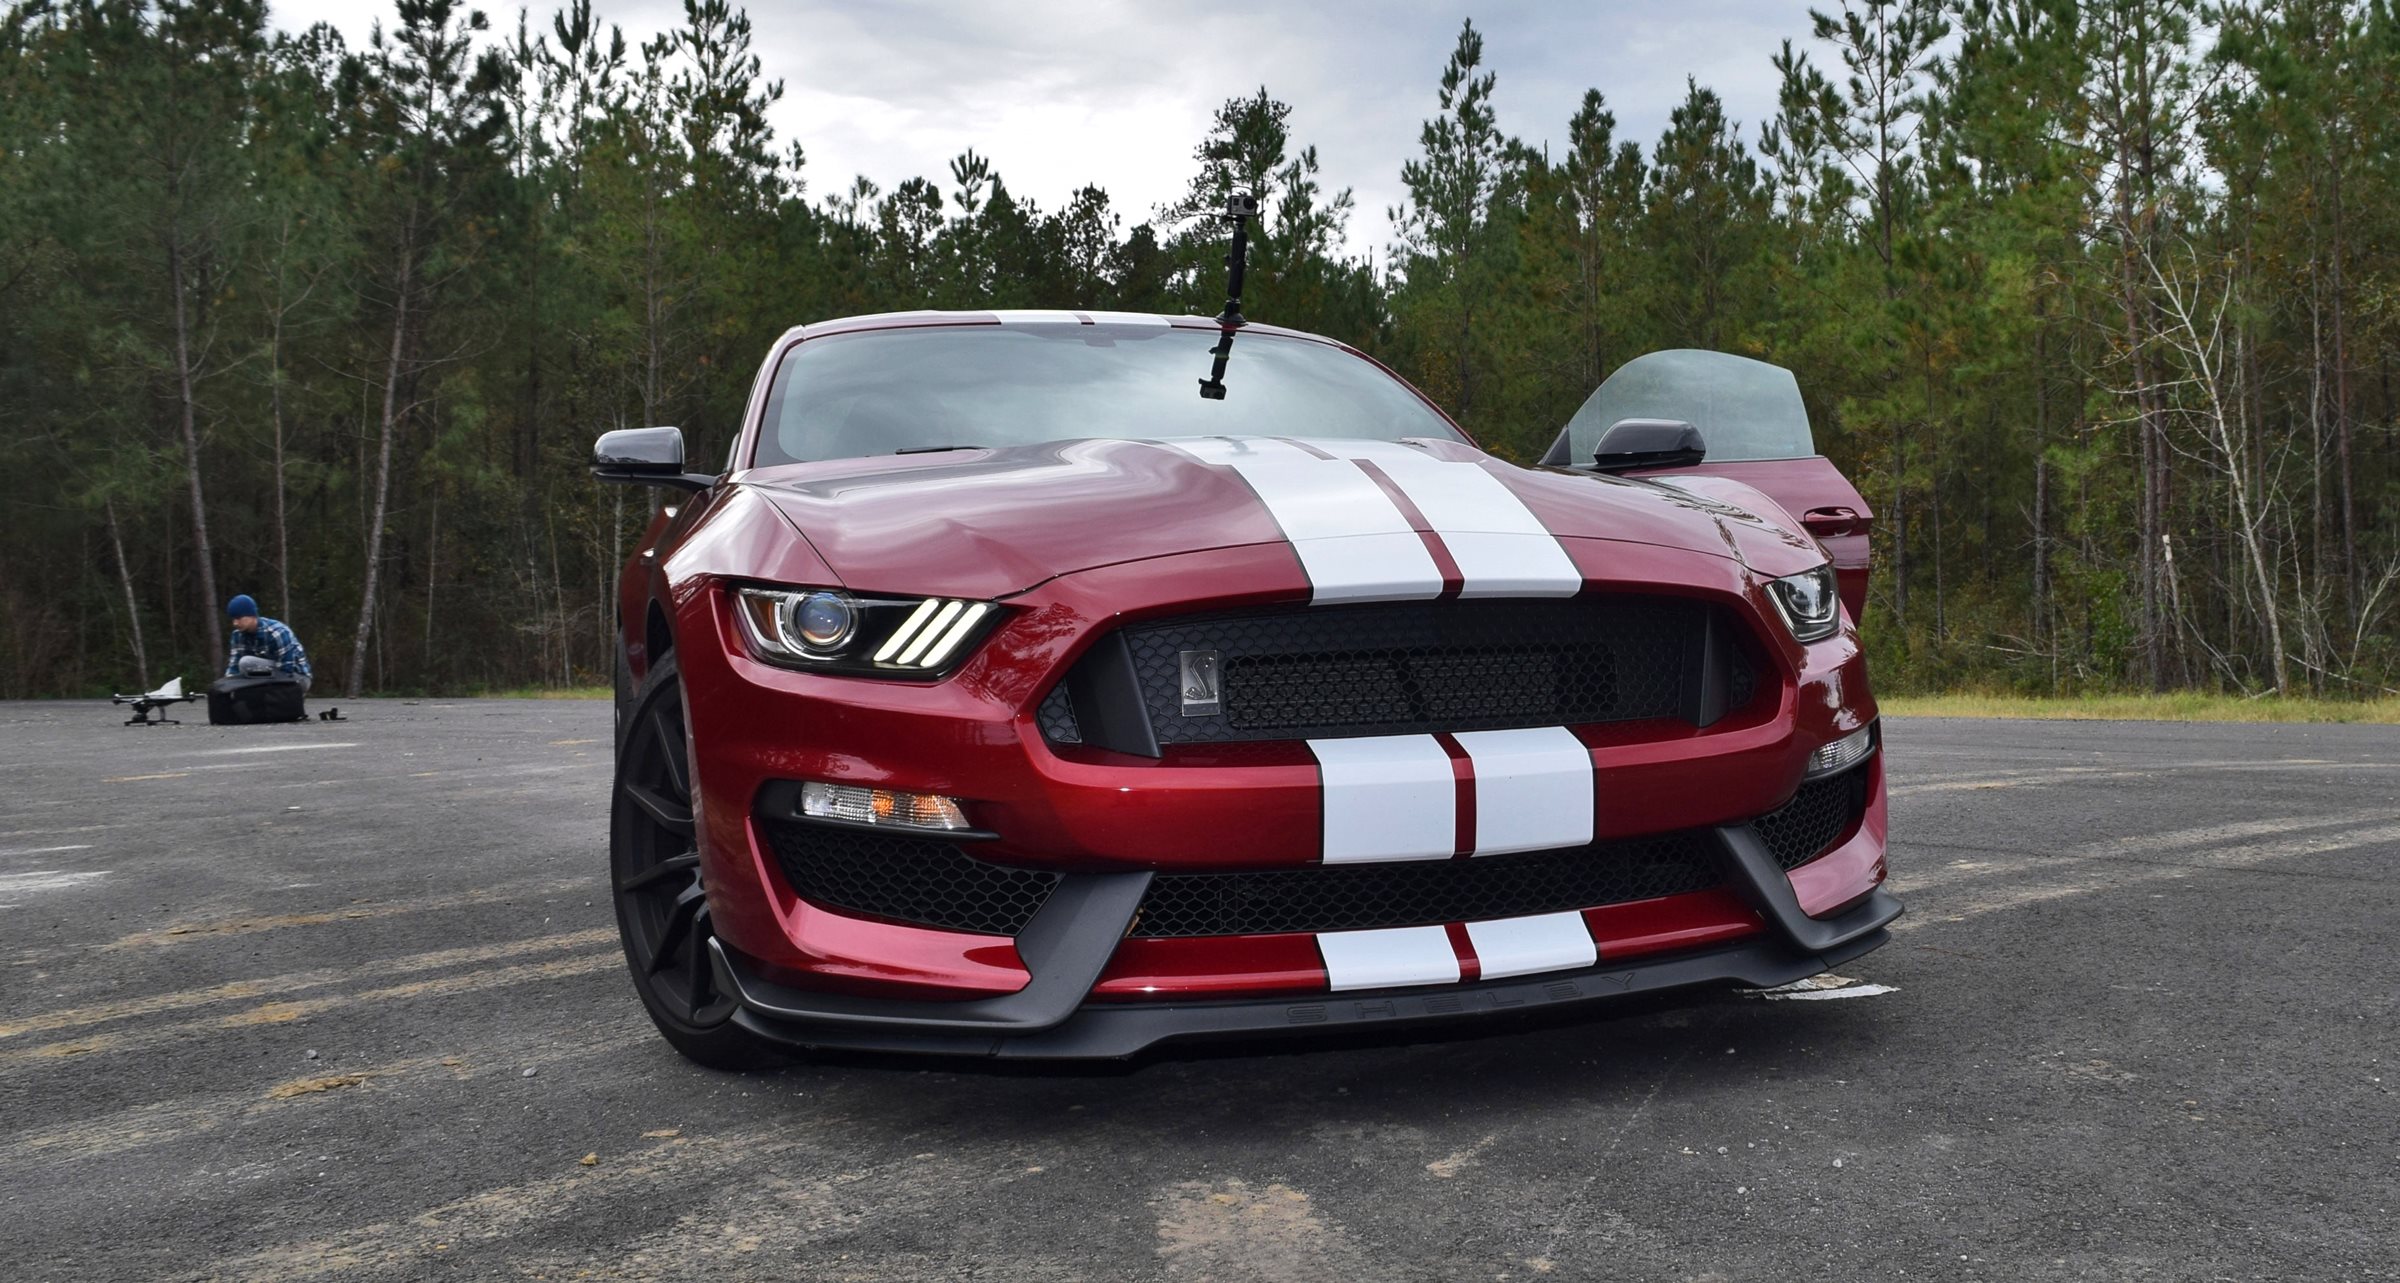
{"points": [[1352, 540], [1395, 797], [1501, 548], [1388, 567], [1533, 789], [1524, 946], [1382, 959], [1387, 797]]}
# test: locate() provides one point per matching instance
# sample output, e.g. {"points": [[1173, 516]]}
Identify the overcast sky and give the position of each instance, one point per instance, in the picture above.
{"points": [[1116, 92]]}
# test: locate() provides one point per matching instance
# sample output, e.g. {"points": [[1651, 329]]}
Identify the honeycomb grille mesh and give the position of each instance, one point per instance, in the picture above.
{"points": [[907, 879], [1818, 816], [1414, 893], [1409, 667], [1057, 717]]}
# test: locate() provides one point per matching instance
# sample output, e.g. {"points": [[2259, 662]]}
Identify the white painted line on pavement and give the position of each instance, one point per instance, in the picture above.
{"points": [[45, 880], [2212, 834], [46, 850], [1949, 783], [1992, 865], [2110, 875], [278, 748]]}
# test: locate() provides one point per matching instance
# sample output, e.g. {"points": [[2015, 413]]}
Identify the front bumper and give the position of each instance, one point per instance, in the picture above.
{"points": [[1081, 978], [1070, 942]]}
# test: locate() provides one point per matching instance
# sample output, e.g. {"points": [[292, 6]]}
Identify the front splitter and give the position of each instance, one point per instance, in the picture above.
{"points": [[1113, 1030]]}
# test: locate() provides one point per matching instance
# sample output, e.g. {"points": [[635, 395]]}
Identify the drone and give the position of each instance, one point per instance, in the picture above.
{"points": [[155, 702]]}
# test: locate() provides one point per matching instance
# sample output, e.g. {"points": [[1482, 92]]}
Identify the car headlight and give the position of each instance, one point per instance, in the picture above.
{"points": [[825, 630], [1810, 603]]}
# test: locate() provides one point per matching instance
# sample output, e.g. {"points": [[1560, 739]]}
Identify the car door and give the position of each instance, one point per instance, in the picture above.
{"points": [[1756, 431]]}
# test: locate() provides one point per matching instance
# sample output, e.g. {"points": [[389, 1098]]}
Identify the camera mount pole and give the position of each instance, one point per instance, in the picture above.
{"points": [[1240, 208]]}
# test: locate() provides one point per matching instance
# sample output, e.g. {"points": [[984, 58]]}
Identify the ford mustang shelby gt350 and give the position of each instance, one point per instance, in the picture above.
{"points": [[1007, 694]]}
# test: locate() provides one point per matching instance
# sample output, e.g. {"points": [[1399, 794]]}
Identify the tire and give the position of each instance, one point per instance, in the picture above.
{"points": [[655, 881]]}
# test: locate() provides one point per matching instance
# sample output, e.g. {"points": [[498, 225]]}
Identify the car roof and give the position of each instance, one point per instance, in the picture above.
{"points": [[1027, 316]]}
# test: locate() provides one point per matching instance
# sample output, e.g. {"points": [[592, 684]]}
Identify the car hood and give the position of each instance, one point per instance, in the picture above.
{"points": [[991, 522]]}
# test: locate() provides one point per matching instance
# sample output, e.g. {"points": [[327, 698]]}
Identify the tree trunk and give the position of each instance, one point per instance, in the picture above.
{"points": [[187, 403], [2041, 475], [133, 610], [2152, 660], [2249, 520], [1933, 488], [1899, 540], [433, 577], [383, 477], [2341, 408], [283, 538]]}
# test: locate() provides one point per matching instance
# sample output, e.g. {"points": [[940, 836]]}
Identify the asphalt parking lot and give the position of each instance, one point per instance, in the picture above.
{"points": [[344, 1001]]}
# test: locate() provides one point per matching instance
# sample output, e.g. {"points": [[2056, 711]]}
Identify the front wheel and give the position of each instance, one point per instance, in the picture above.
{"points": [[654, 867]]}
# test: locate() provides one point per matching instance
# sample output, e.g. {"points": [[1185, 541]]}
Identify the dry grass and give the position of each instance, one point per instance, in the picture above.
{"points": [[2182, 707]]}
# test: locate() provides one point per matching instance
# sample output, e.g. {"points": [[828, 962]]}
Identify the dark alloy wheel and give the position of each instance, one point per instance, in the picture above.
{"points": [[654, 865]]}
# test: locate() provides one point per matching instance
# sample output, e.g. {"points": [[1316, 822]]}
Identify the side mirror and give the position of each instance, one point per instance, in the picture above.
{"points": [[1648, 443], [645, 456]]}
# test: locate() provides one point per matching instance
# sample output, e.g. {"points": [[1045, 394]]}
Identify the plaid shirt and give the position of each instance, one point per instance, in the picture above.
{"points": [[274, 641]]}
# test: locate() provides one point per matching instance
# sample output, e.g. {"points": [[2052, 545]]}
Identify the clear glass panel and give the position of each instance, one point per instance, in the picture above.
{"points": [[1744, 409], [879, 391]]}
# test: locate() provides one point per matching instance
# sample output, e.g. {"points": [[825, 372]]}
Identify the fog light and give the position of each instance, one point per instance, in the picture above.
{"points": [[1842, 754], [856, 805]]}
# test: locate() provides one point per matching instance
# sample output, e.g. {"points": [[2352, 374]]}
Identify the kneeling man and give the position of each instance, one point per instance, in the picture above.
{"points": [[263, 646]]}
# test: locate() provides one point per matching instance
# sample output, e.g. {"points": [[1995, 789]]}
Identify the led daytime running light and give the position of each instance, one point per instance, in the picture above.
{"points": [[835, 631]]}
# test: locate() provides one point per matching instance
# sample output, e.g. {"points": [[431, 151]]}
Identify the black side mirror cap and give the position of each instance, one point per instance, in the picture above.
{"points": [[1631, 444], [646, 457]]}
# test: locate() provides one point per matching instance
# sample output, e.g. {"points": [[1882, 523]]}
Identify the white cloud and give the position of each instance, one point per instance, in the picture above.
{"points": [[1117, 93]]}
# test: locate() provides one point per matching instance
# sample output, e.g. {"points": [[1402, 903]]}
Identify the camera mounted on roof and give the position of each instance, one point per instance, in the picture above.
{"points": [[1240, 208]]}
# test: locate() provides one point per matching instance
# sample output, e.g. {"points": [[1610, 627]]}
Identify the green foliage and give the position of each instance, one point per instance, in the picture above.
{"points": [[236, 265]]}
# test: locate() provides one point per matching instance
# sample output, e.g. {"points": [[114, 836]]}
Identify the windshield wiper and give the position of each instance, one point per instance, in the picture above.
{"points": [[934, 449]]}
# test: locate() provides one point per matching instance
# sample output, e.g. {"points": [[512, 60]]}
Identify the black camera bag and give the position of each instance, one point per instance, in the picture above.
{"points": [[242, 701]]}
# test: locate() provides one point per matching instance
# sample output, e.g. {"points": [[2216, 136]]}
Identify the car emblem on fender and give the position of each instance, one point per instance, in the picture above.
{"points": [[1200, 693]]}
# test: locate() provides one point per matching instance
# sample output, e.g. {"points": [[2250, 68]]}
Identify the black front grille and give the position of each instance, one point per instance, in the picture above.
{"points": [[907, 879], [1409, 893], [1414, 667], [1415, 893], [936, 884], [1818, 816]]}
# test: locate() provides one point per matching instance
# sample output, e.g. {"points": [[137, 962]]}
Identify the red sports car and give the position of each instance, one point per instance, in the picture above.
{"points": [[1053, 684]]}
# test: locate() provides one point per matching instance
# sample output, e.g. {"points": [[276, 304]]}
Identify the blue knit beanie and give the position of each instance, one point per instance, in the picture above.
{"points": [[240, 606]]}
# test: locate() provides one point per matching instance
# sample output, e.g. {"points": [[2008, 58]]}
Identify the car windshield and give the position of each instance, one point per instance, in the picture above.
{"points": [[931, 387], [1744, 409]]}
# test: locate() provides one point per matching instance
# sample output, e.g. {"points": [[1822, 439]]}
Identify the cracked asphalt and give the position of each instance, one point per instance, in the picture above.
{"points": [[344, 1001]]}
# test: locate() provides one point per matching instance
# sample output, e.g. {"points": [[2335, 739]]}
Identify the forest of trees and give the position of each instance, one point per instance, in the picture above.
{"points": [[2099, 305]]}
